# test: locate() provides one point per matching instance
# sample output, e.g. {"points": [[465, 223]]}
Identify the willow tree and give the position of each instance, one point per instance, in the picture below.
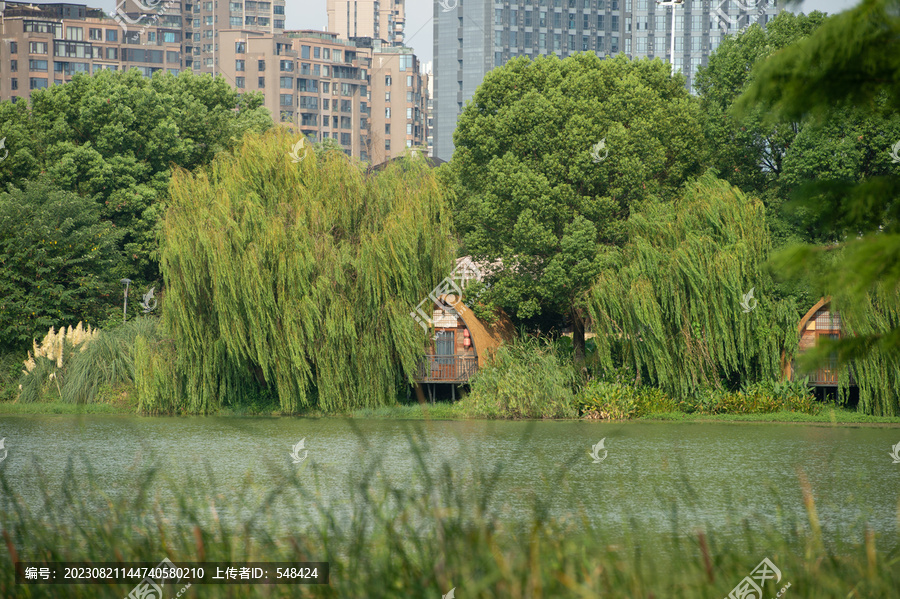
{"points": [[672, 297], [300, 276], [851, 62]]}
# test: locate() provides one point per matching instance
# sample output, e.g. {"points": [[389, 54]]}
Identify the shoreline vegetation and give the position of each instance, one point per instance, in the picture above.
{"points": [[531, 378], [829, 415]]}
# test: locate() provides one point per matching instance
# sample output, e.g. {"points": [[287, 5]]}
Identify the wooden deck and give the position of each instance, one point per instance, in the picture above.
{"points": [[826, 376], [446, 369]]}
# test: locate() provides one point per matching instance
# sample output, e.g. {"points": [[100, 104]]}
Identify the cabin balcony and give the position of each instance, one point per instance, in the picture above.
{"points": [[434, 368]]}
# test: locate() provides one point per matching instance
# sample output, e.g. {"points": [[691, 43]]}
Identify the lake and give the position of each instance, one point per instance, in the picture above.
{"points": [[671, 477]]}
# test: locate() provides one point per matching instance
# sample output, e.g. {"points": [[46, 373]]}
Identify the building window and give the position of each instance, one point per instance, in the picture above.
{"points": [[387, 129], [75, 34], [38, 82], [287, 99], [387, 81], [112, 35], [240, 82], [287, 82], [287, 65], [95, 34], [240, 47], [387, 112], [304, 52], [261, 82], [387, 96], [37, 47], [239, 65]]}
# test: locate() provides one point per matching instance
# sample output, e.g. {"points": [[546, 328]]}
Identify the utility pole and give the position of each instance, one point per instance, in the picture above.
{"points": [[673, 4]]}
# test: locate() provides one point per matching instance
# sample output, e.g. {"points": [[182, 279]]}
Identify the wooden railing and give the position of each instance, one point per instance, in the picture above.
{"points": [[826, 376], [446, 369]]}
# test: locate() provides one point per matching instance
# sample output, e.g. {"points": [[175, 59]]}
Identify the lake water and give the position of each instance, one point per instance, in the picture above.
{"points": [[716, 474]]}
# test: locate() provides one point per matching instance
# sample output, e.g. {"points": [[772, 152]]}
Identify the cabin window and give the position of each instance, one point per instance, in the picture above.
{"points": [[444, 344]]}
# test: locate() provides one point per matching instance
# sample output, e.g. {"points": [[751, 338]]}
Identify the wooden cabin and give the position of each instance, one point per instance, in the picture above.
{"points": [[460, 342], [820, 322]]}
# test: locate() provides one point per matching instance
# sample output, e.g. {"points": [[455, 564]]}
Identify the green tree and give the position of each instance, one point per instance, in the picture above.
{"points": [[56, 261], [536, 191], [298, 277], [669, 303], [750, 150], [851, 63], [115, 136]]}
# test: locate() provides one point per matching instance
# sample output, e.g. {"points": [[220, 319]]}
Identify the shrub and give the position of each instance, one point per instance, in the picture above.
{"points": [[75, 372], [616, 400], [756, 398], [524, 379]]}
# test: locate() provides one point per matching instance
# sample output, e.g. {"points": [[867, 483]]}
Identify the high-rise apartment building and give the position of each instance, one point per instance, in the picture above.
{"points": [[377, 19], [47, 44], [471, 37], [399, 95], [368, 96]]}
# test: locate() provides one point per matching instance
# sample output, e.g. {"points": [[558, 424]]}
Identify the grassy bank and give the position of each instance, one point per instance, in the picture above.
{"points": [[59, 407], [437, 529], [455, 411]]}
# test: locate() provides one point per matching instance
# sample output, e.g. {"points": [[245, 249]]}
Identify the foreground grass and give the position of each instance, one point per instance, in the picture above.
{"points": [[420, 538]]}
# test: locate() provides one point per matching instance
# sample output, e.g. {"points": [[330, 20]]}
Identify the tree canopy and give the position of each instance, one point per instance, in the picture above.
{"points": [[56, 261], [114, 137], [299, 277], [551, 157]]}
